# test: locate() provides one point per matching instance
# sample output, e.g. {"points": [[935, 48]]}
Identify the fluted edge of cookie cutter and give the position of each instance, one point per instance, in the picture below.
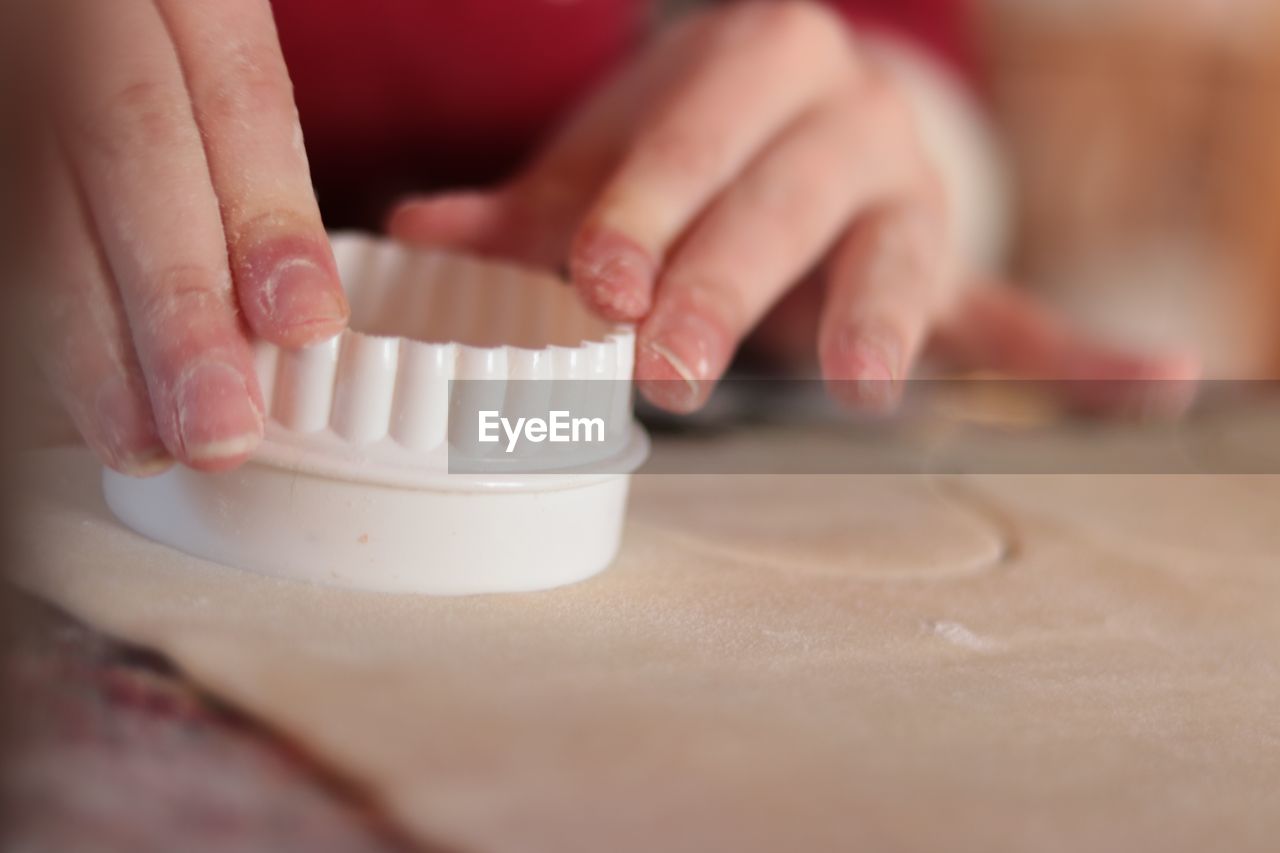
{"points": [[351, 484], [374, 402]]}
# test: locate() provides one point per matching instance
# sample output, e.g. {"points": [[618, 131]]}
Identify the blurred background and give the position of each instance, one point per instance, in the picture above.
{"points": [[1143, 140]]}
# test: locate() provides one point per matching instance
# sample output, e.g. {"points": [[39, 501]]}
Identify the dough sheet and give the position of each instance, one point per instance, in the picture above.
{"points": [[896, 662]]}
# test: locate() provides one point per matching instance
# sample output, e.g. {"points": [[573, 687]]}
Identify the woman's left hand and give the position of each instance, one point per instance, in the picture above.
{"points": [[750, 146]]}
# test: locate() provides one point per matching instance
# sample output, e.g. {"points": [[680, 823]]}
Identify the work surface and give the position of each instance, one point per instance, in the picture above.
{"points": [[975, 662]]}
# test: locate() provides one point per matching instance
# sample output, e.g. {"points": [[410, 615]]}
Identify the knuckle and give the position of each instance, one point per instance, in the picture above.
{"points": [[140, 115], [182, 290], [711, 295], [683, 153], [805, 20], [803, 25], [884, 98], [799, 20], [907, 248], [882, 116], [251, 86], [788, 207]]}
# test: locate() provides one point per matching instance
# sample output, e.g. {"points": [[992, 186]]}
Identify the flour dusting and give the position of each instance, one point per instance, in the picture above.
{"points": [[959, 635]]}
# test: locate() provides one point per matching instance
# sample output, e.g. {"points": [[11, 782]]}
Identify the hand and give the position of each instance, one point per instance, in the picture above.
{"points": [[181, 217], [750, 146]]}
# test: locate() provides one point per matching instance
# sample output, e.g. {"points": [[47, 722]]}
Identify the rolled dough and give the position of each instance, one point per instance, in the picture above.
{"points": [[980, 663]]}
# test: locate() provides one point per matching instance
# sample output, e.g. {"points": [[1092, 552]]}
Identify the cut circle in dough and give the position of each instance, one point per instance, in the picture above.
{"points": [[865, 526]]}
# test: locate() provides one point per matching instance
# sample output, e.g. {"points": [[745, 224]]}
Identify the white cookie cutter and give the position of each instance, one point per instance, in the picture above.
{"points": [[351, 485]]}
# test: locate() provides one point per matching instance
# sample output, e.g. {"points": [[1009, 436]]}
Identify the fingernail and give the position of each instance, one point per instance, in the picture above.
{"points": [[147, 464], [613, 273], [218, 419], [300, 295], [863, 371], [680, 355], [877, 387], [288, 282], [126, 429]]}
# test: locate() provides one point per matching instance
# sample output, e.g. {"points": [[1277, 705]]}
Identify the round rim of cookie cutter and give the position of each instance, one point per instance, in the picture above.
{"points": [[352, 485]]}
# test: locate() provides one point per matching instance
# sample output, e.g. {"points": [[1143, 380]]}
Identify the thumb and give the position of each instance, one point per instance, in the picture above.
{"points": [[1001, 329], [473, 221]]}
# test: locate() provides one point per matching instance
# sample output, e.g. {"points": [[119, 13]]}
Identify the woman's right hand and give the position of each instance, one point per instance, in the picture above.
{"points": [[181, 219]]}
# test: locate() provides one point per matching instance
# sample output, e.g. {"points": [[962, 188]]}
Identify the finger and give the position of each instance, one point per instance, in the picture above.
{"points": [[83, 342], [461, 219], [890, 273], [1001, 329], [786, 56], [139, 157], [281, 262], [753, 242], [485, 223], [529, 222], [886, 283]]}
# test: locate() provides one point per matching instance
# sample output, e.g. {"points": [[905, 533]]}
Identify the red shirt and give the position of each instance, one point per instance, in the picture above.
{"points": [[404, 95]]}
